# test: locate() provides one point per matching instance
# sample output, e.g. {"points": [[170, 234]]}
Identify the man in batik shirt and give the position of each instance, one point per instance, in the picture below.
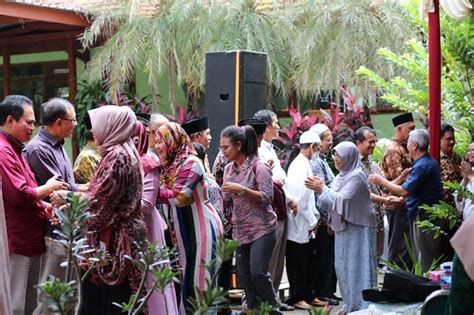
{"points": [[395, 160], [450, 162], [365, 139]]}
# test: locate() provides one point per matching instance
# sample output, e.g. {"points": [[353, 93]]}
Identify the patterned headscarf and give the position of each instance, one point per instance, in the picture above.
{"points": [[140, 139], [178, 147]]}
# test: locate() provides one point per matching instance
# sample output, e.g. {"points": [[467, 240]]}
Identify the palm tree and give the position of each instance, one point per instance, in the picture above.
{"points": [[311, 45]]}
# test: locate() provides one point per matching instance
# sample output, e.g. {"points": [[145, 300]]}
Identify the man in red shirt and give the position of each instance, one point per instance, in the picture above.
{"points": [[25, 212]]}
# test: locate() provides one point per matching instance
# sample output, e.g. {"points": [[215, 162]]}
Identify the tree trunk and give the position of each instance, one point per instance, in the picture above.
{"points": [[171, 82], [268, 105], [293, 100], [154, 95]]}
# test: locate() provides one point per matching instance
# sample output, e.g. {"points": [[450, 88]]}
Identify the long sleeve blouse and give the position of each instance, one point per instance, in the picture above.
{"points": [[251, 220]]}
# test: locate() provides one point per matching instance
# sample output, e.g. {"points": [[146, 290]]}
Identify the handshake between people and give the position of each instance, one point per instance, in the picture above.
{"points": [[314, 183]]}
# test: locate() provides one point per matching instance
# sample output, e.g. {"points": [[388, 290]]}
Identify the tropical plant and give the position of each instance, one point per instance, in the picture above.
{"points": [[153, 260], [214, 297], [63, 297], [287, 144], [182, 115], [444, 211], [407, 89], [94, 94], [311, 45], [417, 267]]}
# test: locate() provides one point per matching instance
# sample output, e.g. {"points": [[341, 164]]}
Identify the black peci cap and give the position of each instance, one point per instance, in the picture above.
{"points": [[257, 124], [401, 119], [196, 125]]}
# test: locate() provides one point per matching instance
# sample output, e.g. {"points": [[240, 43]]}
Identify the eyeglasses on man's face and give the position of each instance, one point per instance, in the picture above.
{"points": [[69, 119]]}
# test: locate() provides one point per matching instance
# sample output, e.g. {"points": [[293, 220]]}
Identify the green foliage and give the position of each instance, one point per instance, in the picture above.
{"points": [[444, 211], [264, 309], [378, 153], [156, 260], [94, 94], [213, 298], [417, 267], [407, 89], [320, 311], [88, 96], [311, 45], [64, 297], [59, 296]]}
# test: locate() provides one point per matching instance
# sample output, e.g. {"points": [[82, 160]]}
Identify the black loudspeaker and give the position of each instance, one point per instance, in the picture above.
{"points": [[236, 88]]}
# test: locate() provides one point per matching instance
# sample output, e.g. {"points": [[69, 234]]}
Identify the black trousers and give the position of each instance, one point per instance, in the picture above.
{"points": [[398, 227], [297, 269], [323, 275], [98, 299], [252, 265]]}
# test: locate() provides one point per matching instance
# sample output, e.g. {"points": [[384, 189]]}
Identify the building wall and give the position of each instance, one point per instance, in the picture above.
{"points": [[142, 85]]}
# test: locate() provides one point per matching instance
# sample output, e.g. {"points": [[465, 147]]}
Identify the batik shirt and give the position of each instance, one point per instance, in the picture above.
{"points": [[450, 171], [85, 165], [251, 220], [395, 160], [370, 167], [321, 168]]}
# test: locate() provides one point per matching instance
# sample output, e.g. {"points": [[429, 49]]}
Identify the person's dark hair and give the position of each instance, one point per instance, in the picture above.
{"points": [[445, 128], [88, 135], [359, 135], [344, 134], [305, 145], [13, 105], [200, 151], [54, 109], [245, 135], [265, 115]]}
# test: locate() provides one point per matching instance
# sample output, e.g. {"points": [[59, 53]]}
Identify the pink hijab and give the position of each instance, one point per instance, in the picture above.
{"points": [[464, 246], [140, 139], [112, 125]]}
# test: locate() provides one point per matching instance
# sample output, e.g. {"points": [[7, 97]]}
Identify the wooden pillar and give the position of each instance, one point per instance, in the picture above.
{"points": [[7, 86], [72, 82]]}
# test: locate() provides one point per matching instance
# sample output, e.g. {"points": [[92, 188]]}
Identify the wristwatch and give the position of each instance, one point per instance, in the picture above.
{"points": [[241, 191]]}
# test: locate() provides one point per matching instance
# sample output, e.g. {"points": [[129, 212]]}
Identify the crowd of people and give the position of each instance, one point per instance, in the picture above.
{"points": [[148, 179]]}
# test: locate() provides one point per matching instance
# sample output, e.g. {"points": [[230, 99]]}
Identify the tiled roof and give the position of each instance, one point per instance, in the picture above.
{"points": [[80, 6], [151, 6]]}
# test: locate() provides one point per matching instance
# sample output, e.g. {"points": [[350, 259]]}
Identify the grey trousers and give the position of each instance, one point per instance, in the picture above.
{"points": [[50, 265], [24, 274], [252, 262], [424, 245], [277, 261]]}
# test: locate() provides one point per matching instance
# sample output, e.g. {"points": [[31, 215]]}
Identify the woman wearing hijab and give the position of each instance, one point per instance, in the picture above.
{"points": [[352, 218], [159, 303], [116, 225], [196, 223]]}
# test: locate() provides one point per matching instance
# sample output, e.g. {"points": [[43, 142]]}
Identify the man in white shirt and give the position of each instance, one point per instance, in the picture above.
{"points": [[266, 151], [300, 226], [267, 154]]}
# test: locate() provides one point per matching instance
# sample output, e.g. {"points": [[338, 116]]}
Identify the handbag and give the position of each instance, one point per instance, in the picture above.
{"points": [[401, 286], [279, 198]]}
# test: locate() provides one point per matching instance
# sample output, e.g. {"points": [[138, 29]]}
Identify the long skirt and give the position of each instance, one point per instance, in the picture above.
{"points": [[355, 264]]}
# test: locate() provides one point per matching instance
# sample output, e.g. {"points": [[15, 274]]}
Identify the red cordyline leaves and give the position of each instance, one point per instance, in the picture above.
{"points": [[182, 115], [135, 104]]}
